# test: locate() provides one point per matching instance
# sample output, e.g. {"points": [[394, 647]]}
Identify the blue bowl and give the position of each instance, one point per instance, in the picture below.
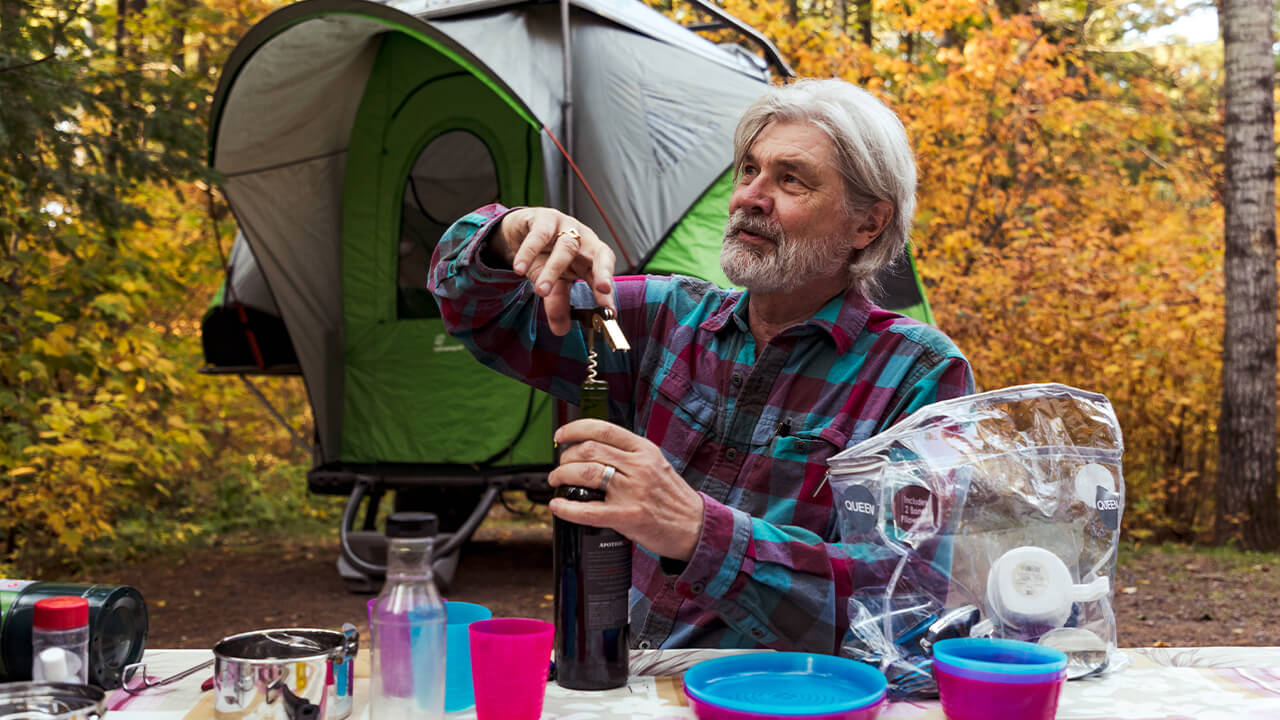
{"points": [[785, 684], [999, 661]]}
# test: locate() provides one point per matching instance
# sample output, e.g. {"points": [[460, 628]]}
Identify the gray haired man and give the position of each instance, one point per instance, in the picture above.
{"points": [[731, 402]]}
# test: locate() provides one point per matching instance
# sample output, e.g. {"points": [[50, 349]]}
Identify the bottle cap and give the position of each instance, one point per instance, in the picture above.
{"points": [[65, 612], [412, 525]]}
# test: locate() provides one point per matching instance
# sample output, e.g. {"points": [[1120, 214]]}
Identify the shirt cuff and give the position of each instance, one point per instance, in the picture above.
{"points": [[721, 554], [474, 254]]}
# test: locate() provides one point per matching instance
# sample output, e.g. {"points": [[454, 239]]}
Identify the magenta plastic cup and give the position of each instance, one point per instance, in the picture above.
{"points": [[509, 661], [993, 679]]}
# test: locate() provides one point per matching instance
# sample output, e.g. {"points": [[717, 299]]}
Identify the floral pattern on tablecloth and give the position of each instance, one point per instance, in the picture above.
{"points": [[1169, 693], [1238, 657]]}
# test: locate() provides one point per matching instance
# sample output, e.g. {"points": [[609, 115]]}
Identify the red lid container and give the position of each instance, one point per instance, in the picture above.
{"points": [[65, 612]]}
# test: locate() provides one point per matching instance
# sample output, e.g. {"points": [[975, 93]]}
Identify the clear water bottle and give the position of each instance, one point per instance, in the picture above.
{"points": [[408, 626]]}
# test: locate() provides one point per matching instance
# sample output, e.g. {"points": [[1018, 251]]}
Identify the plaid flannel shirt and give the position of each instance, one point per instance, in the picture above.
{"points": [[749, 428]]}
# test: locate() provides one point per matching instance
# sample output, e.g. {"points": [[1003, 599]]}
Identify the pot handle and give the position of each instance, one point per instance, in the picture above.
{"points": [[134, 670]]}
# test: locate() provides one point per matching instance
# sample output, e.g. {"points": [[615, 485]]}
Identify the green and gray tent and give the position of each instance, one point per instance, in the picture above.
{"points": [[350, 134]]}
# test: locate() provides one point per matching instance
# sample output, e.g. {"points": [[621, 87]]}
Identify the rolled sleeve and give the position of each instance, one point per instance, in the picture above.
{"points": [[458, 267], [719, 556]]}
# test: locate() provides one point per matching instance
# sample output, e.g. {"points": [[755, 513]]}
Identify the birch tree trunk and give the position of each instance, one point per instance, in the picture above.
{"points": [[1247, 508]]}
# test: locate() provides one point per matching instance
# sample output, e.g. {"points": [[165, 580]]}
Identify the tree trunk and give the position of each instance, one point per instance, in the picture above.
{"points": [[864, 20], [11, 19], [178, 34], [1247, 507], [122, 33]]}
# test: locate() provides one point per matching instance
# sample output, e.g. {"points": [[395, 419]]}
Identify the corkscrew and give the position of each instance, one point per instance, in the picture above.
{"points": [[603, 320]]}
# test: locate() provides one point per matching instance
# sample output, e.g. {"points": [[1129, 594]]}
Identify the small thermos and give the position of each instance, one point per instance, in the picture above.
{"points": [[117, 628]]}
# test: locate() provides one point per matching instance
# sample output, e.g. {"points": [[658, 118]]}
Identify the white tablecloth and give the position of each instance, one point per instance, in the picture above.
{"points": [[1221, 683]]}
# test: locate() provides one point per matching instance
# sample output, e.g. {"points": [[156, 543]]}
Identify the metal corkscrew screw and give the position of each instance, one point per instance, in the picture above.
{"points": [[602, 320]]}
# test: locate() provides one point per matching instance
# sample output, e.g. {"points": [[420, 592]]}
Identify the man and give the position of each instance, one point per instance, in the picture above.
{"points": [[732, 402]]}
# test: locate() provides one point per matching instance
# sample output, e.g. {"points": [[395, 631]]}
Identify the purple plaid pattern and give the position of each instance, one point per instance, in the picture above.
{"points": [[749, 428]]}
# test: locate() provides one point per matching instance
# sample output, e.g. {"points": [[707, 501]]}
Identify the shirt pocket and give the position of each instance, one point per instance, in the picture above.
{"points": [[813, 444], [802, 453], [683, 417]]}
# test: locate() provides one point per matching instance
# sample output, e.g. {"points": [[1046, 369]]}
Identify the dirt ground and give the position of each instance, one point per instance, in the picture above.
{"points": [[1164, 597]]}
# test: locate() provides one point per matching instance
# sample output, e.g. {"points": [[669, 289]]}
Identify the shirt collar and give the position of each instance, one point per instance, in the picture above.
{"points": [[733, 306], [842, 318]]}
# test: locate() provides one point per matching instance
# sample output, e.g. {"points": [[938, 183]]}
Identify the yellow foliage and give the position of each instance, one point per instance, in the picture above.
{"points": [[117, 432]]}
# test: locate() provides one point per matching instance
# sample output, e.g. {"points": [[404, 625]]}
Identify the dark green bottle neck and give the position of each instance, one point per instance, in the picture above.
{"points": [[594, 400]]}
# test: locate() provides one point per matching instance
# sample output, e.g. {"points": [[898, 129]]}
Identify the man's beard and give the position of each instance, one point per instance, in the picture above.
{"points": [[793, 263]]}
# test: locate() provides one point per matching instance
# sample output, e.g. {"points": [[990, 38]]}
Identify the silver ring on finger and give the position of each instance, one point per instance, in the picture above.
{"points": [[609, 472]]}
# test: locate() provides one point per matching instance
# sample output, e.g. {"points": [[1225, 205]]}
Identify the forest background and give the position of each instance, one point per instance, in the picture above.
{"points": [[1070, 229]]}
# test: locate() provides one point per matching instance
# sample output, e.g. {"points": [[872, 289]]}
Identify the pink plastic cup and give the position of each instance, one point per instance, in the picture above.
{"points": [[509, 661], [994, 679]]}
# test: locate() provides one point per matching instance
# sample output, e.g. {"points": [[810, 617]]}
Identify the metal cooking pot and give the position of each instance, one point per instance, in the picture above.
{"points": [[51, 701], [285, 674]]}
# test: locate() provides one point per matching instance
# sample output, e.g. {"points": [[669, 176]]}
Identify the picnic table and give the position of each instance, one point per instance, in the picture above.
{"points": [[1211, 683]]}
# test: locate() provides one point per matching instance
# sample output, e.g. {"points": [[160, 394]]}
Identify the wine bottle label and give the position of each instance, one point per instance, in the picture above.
{"points": [[606, 557]]}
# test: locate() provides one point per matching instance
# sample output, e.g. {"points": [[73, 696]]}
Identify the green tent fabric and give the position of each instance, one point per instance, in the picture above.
{"points": [[409, 369]]}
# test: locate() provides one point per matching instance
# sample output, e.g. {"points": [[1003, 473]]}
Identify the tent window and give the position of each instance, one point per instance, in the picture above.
{"points": [[454, 174]]}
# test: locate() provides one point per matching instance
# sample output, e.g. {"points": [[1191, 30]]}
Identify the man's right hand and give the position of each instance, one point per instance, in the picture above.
{"points": [[553, 250]]}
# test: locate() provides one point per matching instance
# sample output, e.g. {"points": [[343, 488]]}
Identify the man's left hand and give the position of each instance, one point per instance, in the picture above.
{"points": [[646, 499]]}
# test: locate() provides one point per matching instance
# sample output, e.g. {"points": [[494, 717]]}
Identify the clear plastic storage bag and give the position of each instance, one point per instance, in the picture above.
{"points": [[995, 514]]}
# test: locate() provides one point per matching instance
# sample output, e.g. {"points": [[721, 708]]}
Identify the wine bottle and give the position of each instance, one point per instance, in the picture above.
{"points": [[593, 580]]}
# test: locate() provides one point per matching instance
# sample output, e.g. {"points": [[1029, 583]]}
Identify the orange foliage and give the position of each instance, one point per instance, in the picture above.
{"points": [[1068, 227]]}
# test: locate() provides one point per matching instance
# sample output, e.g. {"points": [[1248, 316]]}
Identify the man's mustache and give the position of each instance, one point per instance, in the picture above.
{"points": [[755, 225]]}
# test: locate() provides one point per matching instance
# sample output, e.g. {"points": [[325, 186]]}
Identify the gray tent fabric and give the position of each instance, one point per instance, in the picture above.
{"points": [[280, 144], [653, 112], [658, 128], [242, 329], [245, 283], [637, 113]]}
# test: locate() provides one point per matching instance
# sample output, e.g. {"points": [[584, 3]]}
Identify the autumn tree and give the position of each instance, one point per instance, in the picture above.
{"points": [[1247, 501], [108, 252]]}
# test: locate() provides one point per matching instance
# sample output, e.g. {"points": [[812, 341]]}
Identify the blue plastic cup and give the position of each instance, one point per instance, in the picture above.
{"points": [[459, 693]]}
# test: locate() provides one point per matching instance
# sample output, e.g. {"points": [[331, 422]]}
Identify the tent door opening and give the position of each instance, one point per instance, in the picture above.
{"points": [[423, 421]]}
